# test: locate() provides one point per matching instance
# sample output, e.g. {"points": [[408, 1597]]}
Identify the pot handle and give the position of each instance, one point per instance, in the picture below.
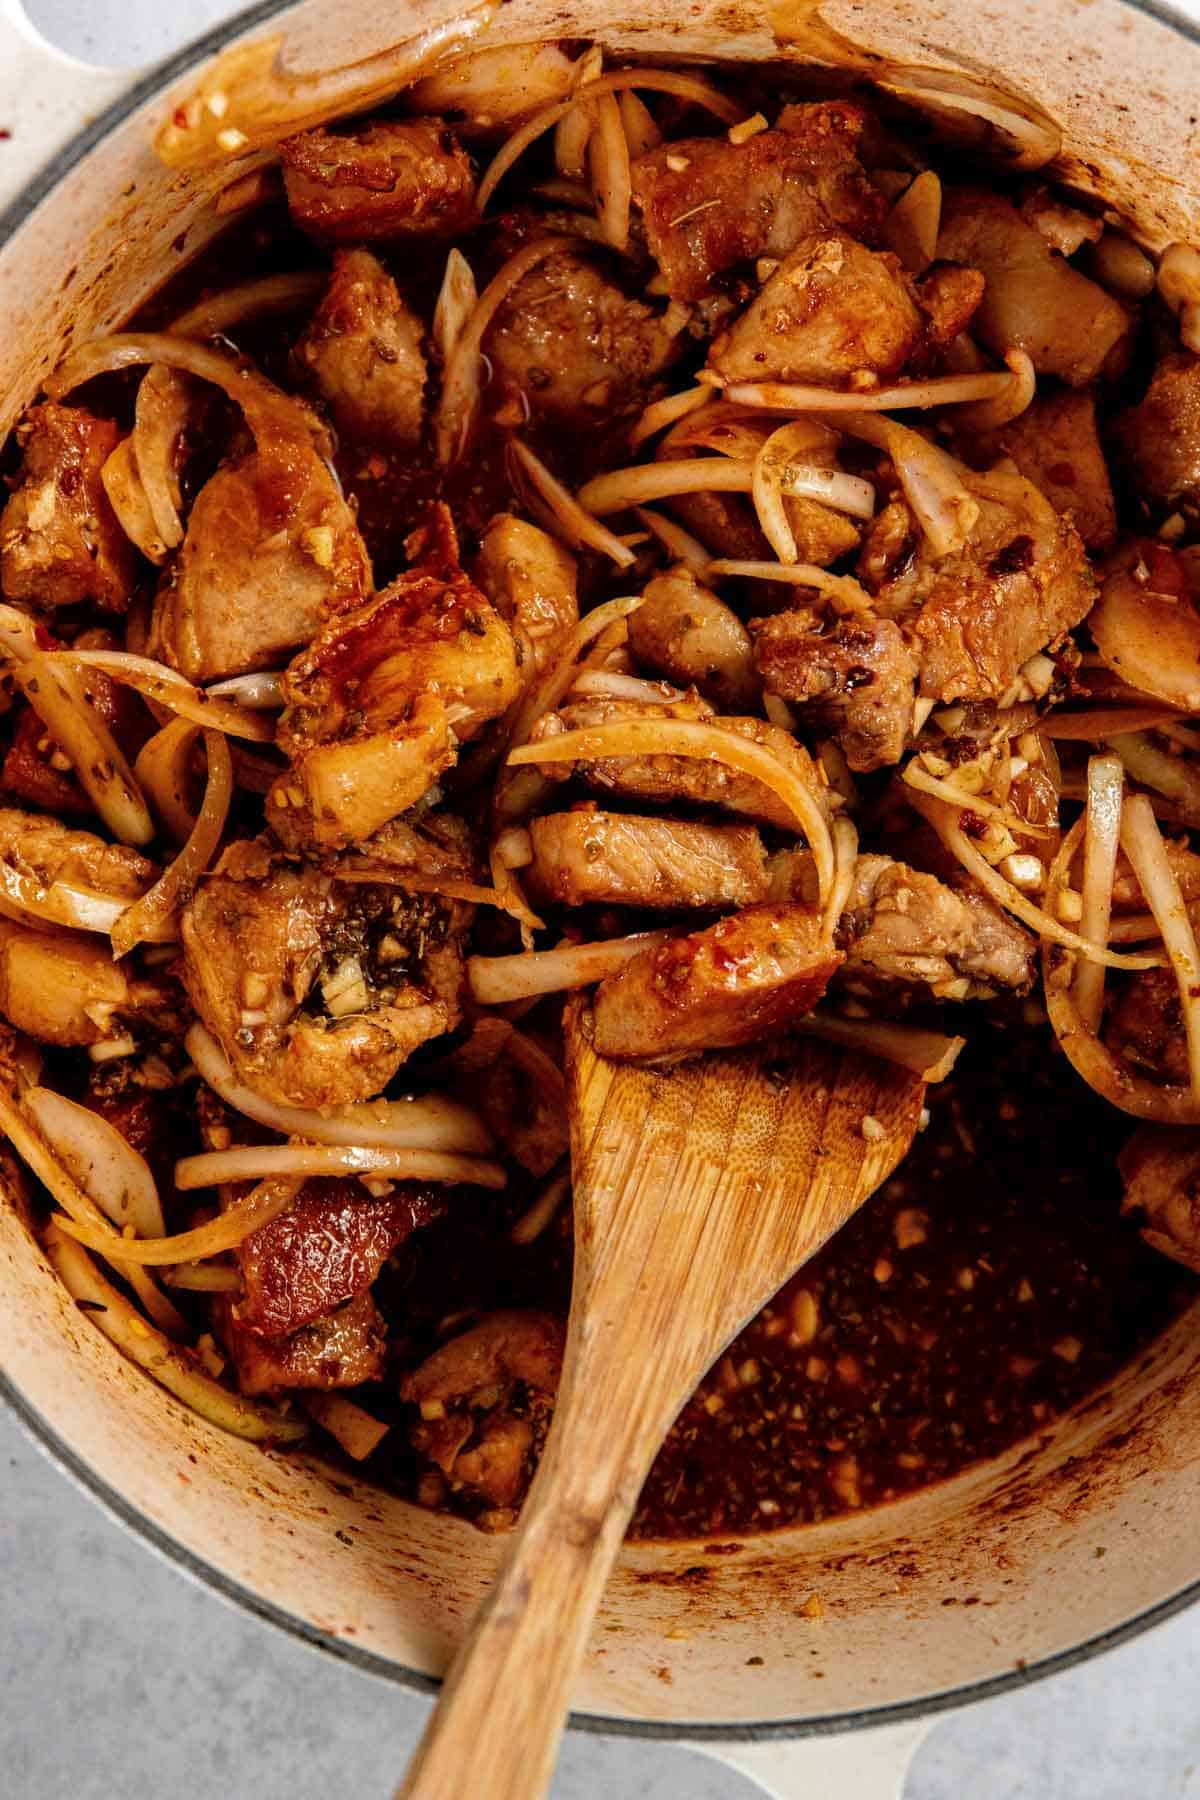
{"points": [[46, 97], [857, 1765]]}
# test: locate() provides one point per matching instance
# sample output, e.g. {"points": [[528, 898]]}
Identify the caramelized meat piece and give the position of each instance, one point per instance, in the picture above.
{"points": [[52, 852], [1056, 446], [683, 631], [856, 681], [485, 1399], [745, 978], [362, 352], [830, 310], [1160, 438], [708, 205], [382, 697], [621, 860], [901, 926], [1144, 1026], [530, 580], [1034, 300], [64, 988], [391, 180], [1160, 1166], [271, 547], [327, 1248], [266, 940], [339, 1351], [948, 295], [60, 541], [28, 775], [575, 346], [525, 1114]]}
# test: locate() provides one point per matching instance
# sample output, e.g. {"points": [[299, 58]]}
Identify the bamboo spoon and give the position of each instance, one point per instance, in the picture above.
{"points": [[698, 1191]]}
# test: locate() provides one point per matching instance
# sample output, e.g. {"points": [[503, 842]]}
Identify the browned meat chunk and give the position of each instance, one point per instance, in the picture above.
{"points": [[63, 988], [486, 1400], [901, 926], [830, 310], [1055, 445], [620, 860], [1161, 1170], [266, 936], [51, 852], [525, 1112], [327, 1248], [1160, 438], [708, 205], [856, 682], [1144, 1026], [949, 296], [575, 346], [391, 180], [340, 1351], [745, 978], [382, 697], [59, 537], [683, 631], [1034, 300], [530, 580], [362, 351]]}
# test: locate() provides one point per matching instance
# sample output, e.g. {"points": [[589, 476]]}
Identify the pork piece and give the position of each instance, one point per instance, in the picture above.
{"points": [[64, 988], [1056, 446], [745, 978], [327, 1248], [902, 926], [973, 618], [362, 353], [60, 541], [856, 682], [396, 179], [949, 297], [271, 547], [530, 580], [27, 774], [1034, 300], [1160, 1166], [577, 349], [383, 696], [524, 1113], [682, 631], [342, 1350], [1143, 1025], [831, 309], [619, 859], [316, 990], [672, 780], [1159, 439], [52, 852], [485, 1400], [708, 205]]}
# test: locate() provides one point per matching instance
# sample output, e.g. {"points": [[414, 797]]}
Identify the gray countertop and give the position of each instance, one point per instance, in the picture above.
{"points": [[119, 1675]]}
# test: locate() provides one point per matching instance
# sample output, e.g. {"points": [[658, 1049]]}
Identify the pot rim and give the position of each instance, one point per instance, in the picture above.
{"points": [[235, 1593]]}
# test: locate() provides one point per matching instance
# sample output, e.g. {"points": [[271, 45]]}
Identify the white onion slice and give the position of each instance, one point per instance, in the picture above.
{"points": [[937, 390], [457, 299], [928, 1054], [100, 1159], [358, 1433], [57, 696], [31, 902], [620, 488], [1106, 783], [1143, 844], [261, 1162], [612, 183], [500, 980], [578, 525], [149, 920], [667, 411], [911, 228], [166, 687]]}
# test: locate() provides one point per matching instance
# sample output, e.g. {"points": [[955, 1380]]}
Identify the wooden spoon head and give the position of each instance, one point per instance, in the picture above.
{"points": [[729, 1171]]}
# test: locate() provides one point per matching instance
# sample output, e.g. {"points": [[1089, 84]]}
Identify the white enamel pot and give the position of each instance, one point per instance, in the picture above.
{"points": [[956, 1593]]}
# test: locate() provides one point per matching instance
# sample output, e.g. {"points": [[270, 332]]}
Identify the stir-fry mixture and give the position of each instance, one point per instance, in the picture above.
{"points": [[608, 528]]}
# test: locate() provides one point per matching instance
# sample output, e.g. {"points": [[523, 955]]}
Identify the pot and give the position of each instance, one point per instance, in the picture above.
{"points": [[1055, 1550]]}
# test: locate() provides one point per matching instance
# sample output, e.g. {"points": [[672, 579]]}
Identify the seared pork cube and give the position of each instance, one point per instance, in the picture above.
{"points": [[399, 179], [362, 352], [743, 979], [1160, 438], [856, 682], [1160, 1166], [708, 205], [617, 859], [342, 1350], [1034, 300], [903, 927], [1056, 446], [62, 987], [60, 541], [683, 631], [530, 580], [831, 310], [53, 852]]}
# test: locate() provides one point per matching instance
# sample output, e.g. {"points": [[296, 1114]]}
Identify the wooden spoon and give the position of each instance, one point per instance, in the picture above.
{"points": [[698, 1191]]}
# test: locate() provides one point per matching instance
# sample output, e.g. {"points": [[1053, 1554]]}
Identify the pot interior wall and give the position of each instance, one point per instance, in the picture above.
{"points": [[956, 1585]]}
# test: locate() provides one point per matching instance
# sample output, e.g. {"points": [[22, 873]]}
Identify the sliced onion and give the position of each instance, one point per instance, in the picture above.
{"points": [[679, 544], [845, 855], [500, 980], [661, 413], [57, 697], [612, 183], [1103, 722], [641, 130], [29, 901], [356, 1431], [38, 1156], [204, 1278], [230, 1228], [174, 1368], [166, 687], [706, 743], [457, 299], [163, 766], [937, 390], [932, 481], [1004, 407], [255, 1162], [928, 1054], [571, 136], [776, 472], [249, 300], [128, 499], [911, 228], [461, 381], [159, 420], [914, 776], [1159, 769], [847, 594], [100, 1159], [1143, 844], [148, 919], [432, 1123], [1106, 783], [579, 526], [260, 690]]}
